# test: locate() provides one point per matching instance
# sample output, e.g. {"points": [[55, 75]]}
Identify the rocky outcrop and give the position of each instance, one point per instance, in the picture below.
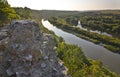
{"points": [[27, 52]]}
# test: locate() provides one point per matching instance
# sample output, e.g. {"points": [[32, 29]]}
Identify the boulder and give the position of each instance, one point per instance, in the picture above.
{"points": [[28, 52]]}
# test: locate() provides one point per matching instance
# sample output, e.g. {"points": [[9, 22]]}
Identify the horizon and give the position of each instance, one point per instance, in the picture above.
{"points": [[70, 10], [71, 5]]}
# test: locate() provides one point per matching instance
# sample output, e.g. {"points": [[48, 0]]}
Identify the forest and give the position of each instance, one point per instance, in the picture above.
{"points": [[109, 42], [73, 57], [104, 21], [79, 65]]}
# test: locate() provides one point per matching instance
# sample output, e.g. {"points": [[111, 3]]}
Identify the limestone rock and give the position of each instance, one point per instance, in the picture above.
{"points": [[27, 52]]}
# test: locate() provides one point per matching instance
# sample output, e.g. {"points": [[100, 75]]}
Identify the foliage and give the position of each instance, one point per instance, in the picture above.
{"points": [[79, 65], [53, 13], [105, 21], [24, 13], [94, 37], [112, 48], [7, 13]]}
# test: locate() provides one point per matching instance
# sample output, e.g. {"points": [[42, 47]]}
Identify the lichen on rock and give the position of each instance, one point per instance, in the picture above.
{"points": [[27, 52]]}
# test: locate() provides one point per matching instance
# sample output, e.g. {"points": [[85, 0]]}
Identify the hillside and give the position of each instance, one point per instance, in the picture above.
{"points": [[27, 52], [52, 13], [27, 49]]}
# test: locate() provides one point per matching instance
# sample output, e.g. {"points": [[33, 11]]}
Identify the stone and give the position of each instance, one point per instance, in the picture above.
{"points": [[61, 63], [10, 72], [28, 57], [45, 42], [51, 60], [43, 65], [15, 46], [54, 48], [29, 52], [3, 35], [1, 58], [65, 71], [4, 41], [46, 57], [54, 69], [1, 53]]}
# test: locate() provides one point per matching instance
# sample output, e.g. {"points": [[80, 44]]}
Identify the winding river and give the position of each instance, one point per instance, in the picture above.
{"points": [[109, 59]]}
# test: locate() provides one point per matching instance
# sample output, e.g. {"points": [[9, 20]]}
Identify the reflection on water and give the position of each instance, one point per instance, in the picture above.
{"points": [[94, 31], [109, 59]]}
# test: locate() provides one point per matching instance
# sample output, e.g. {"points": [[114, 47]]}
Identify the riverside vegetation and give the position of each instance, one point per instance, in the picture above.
{"points": [[109, 42], [104, 21], [73, 57]]}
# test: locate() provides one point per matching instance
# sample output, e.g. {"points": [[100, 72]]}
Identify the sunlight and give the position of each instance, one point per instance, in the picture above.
{"points": [[66, 4], [41, 4], [60, 38]]}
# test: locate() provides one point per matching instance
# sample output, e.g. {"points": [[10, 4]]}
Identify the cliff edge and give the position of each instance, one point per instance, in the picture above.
{"points": [[27, 52]]}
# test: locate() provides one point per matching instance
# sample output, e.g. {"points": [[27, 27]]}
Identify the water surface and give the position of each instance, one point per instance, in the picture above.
{"points": [[109, 59], [94, 31]]}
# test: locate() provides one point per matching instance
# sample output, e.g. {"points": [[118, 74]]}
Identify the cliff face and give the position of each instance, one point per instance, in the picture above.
{"points": [[27, 52]]}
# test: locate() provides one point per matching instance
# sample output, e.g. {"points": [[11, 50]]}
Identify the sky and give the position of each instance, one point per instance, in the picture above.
{"points": [[66, 4]]}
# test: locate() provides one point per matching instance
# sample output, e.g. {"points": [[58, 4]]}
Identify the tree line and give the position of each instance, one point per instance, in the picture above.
{"points": [[109, 42]]}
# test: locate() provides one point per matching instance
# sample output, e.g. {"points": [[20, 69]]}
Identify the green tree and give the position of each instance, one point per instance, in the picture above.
{"points": [[24, 13], [6, 12], [79, 65]]}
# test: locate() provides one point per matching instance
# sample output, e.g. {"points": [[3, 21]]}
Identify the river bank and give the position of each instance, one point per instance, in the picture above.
{"points": [[108, 58], [108, 42]]}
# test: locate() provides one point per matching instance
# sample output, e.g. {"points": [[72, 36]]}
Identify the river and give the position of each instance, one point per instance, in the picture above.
{"points": [[109, 59], [94, 31]]}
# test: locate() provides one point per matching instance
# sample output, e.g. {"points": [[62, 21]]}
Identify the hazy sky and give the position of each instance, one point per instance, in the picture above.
{"points": [[67, 4]]}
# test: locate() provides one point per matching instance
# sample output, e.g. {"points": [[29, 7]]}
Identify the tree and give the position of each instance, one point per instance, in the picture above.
{"points": [[24, 13], [6, 12]]}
